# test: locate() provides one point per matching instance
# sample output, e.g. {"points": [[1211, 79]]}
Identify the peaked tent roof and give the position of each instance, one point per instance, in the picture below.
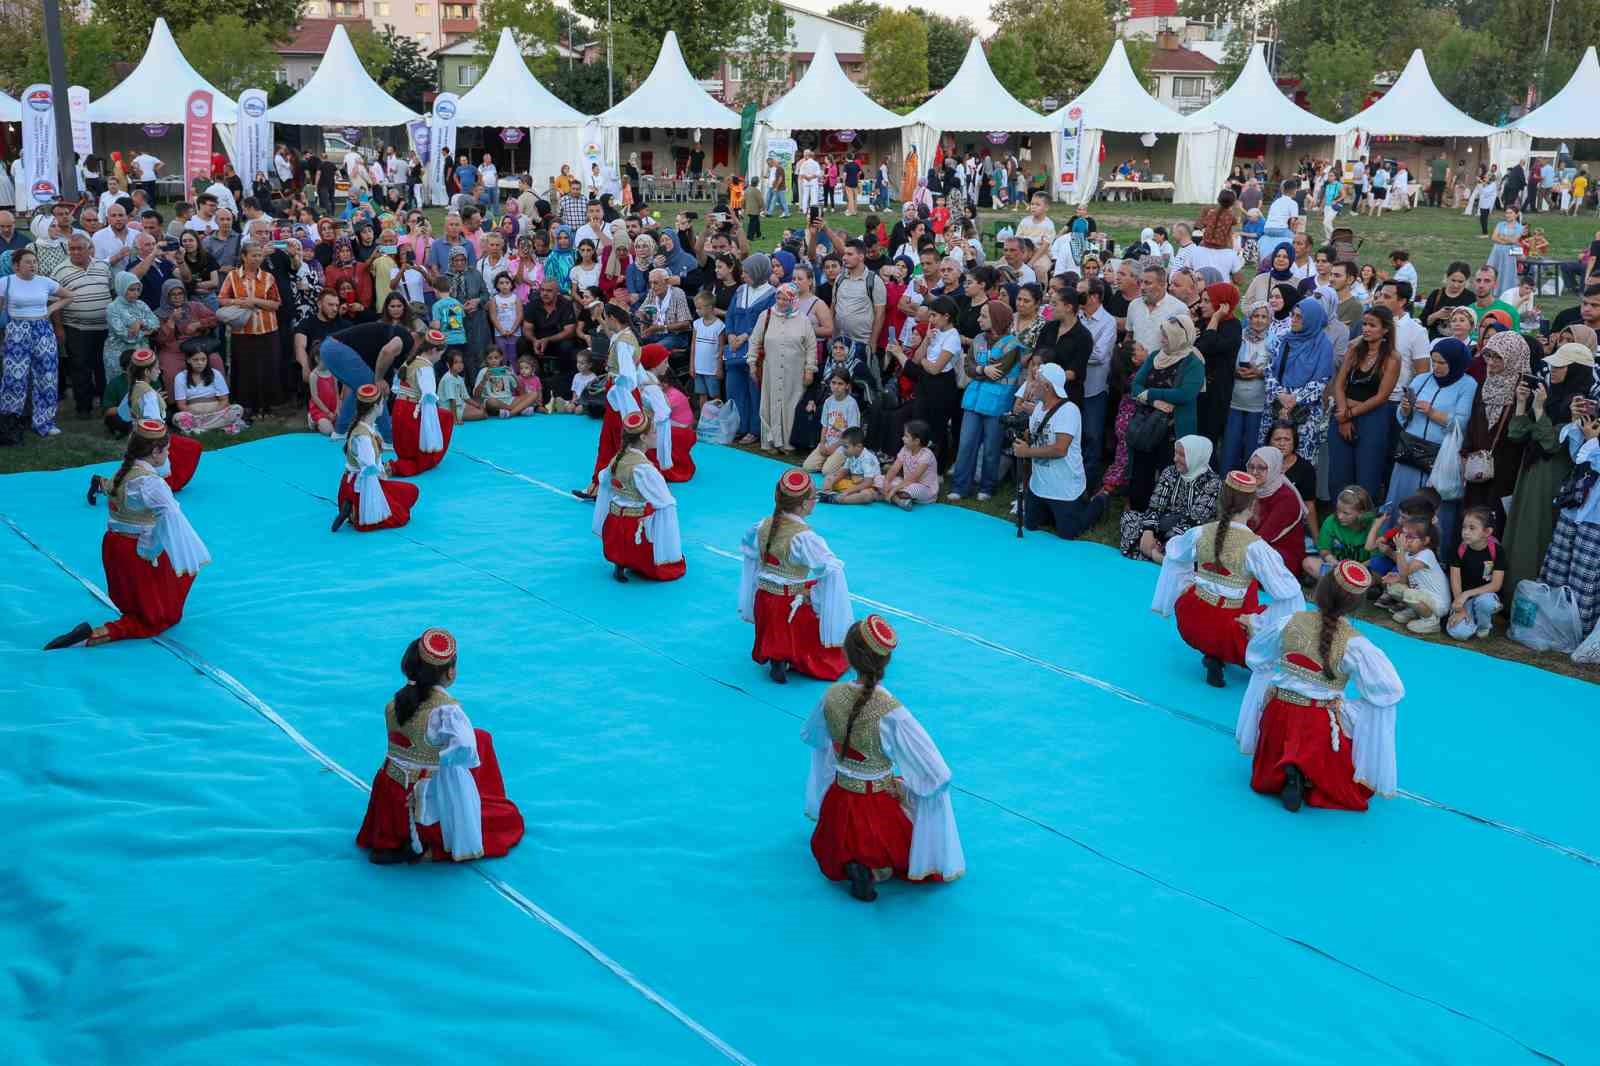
{"points": [[826, 99], [509, 95], [10, 109], [1570, 112], [670, 98], [1255, 104], [975, 100], [1414, 107], [159, 87], [341, 93], [1116, 101]]}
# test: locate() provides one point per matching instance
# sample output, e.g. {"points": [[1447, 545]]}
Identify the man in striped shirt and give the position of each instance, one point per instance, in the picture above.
{"points": [[81, 326]]}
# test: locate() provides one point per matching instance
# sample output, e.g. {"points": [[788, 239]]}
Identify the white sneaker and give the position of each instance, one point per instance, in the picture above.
{"points": [[53, 431], [1428, 623], [1484, 632], [954, 497], [983, 496]]}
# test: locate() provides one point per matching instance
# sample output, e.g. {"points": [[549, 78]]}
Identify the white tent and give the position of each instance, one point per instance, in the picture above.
{"points": [[823, 99], [1570, 113], [670, 98], [159, 87], [973, 102], [10, 109], [508, 95], [341, 93], [1413, 107], [1115, 102]]}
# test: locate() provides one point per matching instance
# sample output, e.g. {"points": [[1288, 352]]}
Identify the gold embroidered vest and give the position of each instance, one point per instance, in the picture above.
{"points": [[136, 397], [625, 498], [775, 556], [863, 752], [623, 337], [1301, 655], [1229, 568], [408, 388], [352, 465], [417, 752], [118, 500]]}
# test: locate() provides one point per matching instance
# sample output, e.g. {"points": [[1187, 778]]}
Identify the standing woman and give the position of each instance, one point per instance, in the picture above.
{"points": [[874, 823], [1358, 447], [1428, 410], [793, 588], [1507, 234], [49, 245], [1218, 343], [752, 299], [366, 497], [439, 793], [1310, 742], [993, 368], [1492, 457], [783, 347], [1573, 559], [150, 551], [255, 355], [1298, 375], [937, 400], [1536, 423], [1166, 385], [636, 515], [31, 359], [466, 285]]}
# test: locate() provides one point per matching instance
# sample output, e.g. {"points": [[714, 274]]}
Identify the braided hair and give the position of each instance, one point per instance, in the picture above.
{"points": [[1230, 501], [629, 439], [1333, 601], [363, 408], [869, 667], [138, 448], [781, 506], [421, 677]]}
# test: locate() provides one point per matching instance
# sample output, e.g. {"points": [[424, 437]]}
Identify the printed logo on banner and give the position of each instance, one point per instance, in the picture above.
{"points": [[39, 100], [199, 107], [445, 109], [511, 135], [44, 190], [255, 107]]}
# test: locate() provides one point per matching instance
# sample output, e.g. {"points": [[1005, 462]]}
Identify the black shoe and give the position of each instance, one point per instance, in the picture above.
{"points": [[96, 483], [860, 882], [779, 669], [344, 515], [584, 494], [74, 636], [1214, 676], [1294, 788], [619, 573]]}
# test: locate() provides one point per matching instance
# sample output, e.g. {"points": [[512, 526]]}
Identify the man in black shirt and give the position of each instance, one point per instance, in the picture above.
{"points": [[551, 327], [1587, 313], [314, 329], [361, 355]]}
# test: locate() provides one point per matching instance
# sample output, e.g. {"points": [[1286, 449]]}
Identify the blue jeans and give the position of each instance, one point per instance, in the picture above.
{"points": [[345, 365], [1366, 461], [1239, 438], [745, 394], [977, 430], [777, 202], [1069, 518], [1094, 435], [1481, 610]]}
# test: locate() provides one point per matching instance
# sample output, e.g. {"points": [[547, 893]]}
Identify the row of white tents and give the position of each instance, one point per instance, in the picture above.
{"points": [[1112, 109]]}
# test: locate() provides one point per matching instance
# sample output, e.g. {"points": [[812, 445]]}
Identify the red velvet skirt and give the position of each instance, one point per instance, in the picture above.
{"points": [[683, 438], [610, 437], [410, 459], [1302, 736], [618, 539], [866, 827], [386, 825], [1214, 630], [401, 496], [183, 457], [150, 598], [796, 642]]}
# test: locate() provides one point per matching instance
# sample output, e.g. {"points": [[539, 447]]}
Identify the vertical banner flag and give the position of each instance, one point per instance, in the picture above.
{"points": [[421, 139], [1070, 165], [254, 138], [197, 116], [444, 140], [41, 175], [78, 107]]}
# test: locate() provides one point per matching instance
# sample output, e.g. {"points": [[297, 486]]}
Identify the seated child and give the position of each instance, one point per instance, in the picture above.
{"points": [[498, 389], [1343, 534], [453, 391], [201, 395], [913, 477], [839, 413], [1477, 574], [852, 480], [1423, 504], [528, 380], [580, 381], [322, 409], [1418, 585]]}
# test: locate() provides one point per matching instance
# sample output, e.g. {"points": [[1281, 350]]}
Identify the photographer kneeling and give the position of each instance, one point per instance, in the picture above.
{"points": [[1057, 490]]}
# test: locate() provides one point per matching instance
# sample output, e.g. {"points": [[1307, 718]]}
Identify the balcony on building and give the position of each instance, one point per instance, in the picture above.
{"points": [[458, 20]]}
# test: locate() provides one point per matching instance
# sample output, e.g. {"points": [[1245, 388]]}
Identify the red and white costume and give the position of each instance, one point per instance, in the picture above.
{"points": [[1216, 597], [669, 450], [865, 811], [440, 785], [375, 503], [636, 516], [793, 588], [1294, 714], [622, 398], [421, 427], [144, 401]]}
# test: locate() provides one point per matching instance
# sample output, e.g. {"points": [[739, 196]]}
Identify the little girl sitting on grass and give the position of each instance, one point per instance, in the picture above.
{"points": [[913, 477], [453, 391], [322, 409], [498, 389]]}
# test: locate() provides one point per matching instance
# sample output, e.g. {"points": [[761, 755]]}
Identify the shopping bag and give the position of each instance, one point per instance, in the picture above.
{"points": [[1447, 476], [719, 422], [1545, 617], [1589, 651]]}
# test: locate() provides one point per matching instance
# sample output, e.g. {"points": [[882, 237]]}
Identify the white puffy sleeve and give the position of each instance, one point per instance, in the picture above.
{"points": [[1177, 571], [150, 406], [661, 413], [662, 525], [1371, 714], [453, 799], [430, 437], [831, 598], [602, 501], [935, 841], [620, 395], [172, 532], [750, 554], [1261, 657], [374, 505], [824, 764], [1287, 596]]}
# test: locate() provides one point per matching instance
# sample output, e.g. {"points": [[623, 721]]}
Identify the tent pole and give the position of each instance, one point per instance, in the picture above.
{"points": [[66, 160]]}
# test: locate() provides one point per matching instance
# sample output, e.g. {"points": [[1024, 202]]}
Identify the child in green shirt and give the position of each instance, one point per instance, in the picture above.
{"points": [[1344, 533]]}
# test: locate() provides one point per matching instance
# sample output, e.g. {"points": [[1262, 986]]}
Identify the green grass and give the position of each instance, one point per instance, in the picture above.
{"points": [[84, 441]]}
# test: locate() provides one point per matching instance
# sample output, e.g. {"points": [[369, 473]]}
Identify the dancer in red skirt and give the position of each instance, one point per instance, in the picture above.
{"points": [[421, 427], [1211, 577], [150, 551], [635, 516], [669, 447], [438, 794], [874, 823], [144, 400], [1311, 743], [366, 499], [793, 588], [622, 397]]}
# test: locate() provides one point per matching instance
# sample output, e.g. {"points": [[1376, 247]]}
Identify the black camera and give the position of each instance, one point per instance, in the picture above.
{"points": [[1013, 427]]}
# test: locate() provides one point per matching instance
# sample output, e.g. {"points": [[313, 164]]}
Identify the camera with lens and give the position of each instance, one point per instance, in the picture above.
{"points": [[1013, 427]]}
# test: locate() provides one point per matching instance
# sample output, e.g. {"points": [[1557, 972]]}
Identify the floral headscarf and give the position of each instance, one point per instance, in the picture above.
{"points": [[558, 264], [1500, 388], [788, 289]]}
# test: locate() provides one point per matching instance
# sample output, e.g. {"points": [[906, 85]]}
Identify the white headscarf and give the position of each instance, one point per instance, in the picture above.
{"points": [[1196, 455]]}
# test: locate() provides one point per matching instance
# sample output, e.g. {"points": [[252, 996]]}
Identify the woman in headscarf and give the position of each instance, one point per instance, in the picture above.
{"points": [[782, 268], [1168, 382], [682, 268], [643, 261], [365, 245], [130, 324], [1281, 301], [346, 267], [466, 285], [1492, 457], [1338, 333], [1185, 496], [1279, 271], [527, 269], [1279, 517], [1298, 374], [1432, 405], [1536, 421], [783, 360], [510, 227], [558, 264], [1572, 560], [1218, 342], [750, 301], [1248, 400], [183, 321], [49, 244]]}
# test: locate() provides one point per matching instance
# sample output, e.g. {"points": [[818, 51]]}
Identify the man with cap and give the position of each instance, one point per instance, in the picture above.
{"points": [[1057, 490]]}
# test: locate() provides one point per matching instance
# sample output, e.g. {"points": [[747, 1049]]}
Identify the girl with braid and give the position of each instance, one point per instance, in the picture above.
{"points": [[872, 822], [1310, 742], [1211, 578], [793, 588], [635, 516], [150, 551], [367, 499]]}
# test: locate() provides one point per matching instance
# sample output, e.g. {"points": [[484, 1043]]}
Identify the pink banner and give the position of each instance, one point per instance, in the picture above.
{"points": [[197, 115]]}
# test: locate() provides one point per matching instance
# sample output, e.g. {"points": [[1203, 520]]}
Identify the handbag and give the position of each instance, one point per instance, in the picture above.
{"points": [[1479, 466], [1575, 489], [235, 316], [1148, 429]]}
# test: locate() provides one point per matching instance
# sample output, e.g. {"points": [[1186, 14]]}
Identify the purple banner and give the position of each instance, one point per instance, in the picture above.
{"points": [[421, 139], [512, 135], [154, 129]]}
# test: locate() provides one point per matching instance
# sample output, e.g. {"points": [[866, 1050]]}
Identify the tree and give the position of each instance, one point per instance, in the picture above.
{"points": [[583, 85], [763, 54], [277, 17], [534, 25], [92, 49], [1070, 39], [856, 12], [707, 29], [371, 48], [1466, 68], [897, 58], [409, 75], [230, 53], [1013, 64], [1139, 50], [947, 45], [1336, 78]]}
